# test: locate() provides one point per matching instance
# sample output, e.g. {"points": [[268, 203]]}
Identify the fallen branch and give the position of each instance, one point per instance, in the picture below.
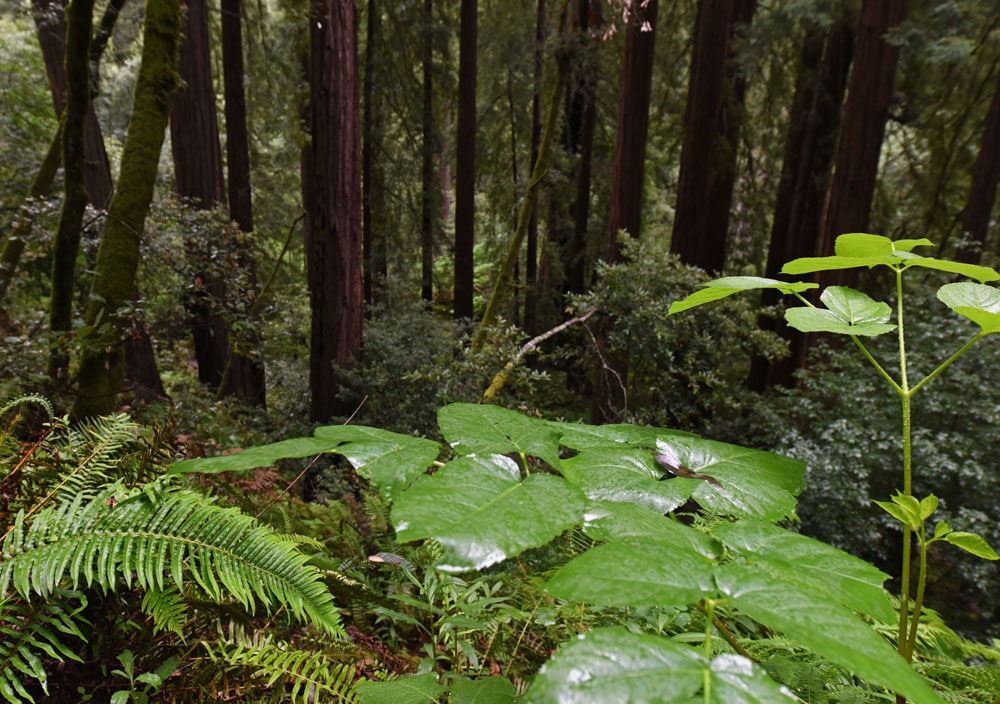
{"points": [[501, 378]]}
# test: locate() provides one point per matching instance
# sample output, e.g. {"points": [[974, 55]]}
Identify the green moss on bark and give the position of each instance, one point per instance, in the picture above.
{"points": [[102, 367]]}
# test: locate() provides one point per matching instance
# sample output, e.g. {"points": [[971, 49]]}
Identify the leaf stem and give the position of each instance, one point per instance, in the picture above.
{"points": [[945, 364], [905, 396]]}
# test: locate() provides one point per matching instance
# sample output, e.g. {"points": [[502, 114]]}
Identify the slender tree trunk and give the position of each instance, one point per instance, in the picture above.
{"points": [[243, 374], [805, 175], [866, 109], [531, 244], [610, 388], [711, 134], [102, 356], [428, 149], [49, 19], [66, 247], [465, 161], [633, 126], [585, 98], [332, 194], [983, 191], [372, 194]]}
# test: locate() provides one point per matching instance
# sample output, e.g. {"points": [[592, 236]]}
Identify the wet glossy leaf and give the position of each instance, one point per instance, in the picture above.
{"points": [[787, 555], [482, 513], [625, 475], [824, 626], [629, 572], [390, 460], [606, 520], [481, 429], [580, 436], [754, 483], [728, 285], [612, 665], [977, 302]]}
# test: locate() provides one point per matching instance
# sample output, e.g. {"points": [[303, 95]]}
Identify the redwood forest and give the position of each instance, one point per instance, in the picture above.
{"points": [[576, 351]]}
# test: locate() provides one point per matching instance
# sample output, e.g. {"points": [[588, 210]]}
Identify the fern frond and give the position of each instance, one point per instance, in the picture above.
{"points": [[29, 630], [306, 675], [167, 607], [162, 535]]}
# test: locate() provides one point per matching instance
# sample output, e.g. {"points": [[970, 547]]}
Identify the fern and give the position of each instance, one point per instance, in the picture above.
{"points": [[30, 628], [161, 535], [306, 675]]}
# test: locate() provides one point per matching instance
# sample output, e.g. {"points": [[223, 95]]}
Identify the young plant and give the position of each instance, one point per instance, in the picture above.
{"points": [[846, 311], [503, 483]]}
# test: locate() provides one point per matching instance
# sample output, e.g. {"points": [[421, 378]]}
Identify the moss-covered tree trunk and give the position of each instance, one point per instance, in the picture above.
{"points": [[102, 356], [79, 18]]}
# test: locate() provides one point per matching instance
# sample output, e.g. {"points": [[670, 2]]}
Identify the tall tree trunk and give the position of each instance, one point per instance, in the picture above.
{"points": [[428, 149], [531, 243], [243, 375], [332, 194], [199, 179], [866, 109], [585, 103], [101, 368], [812, 134], [611, 384], [983, 191], [711, 133], [50, 21], [373, 184], [465, 161], [79, 18], [633, 126]]}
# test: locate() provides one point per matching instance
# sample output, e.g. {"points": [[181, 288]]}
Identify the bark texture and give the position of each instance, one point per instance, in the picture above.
{"points": [[465, 160], [983, 192], [101, 370], [866, 109], [332, 195], [711, 128]]}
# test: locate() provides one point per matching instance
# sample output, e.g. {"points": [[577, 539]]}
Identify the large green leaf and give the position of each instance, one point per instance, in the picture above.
{"points": [[821, 624], [752, 483], [630, 572], [481, 429], [481, 512], [626, 475], [408, 689], [254, 457], [858, 249], [977, 302], [609, 665], [607, 520], [847, 312], [728, 285], [486, 690], [580, 436], [853, 582], [390, 460]]}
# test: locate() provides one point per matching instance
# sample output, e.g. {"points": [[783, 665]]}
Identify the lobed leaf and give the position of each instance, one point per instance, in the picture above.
{"points": [[481, 429], [728, 285], [481, 513], [625, 475], [615, 665], [797, 610], [977, 302]]}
